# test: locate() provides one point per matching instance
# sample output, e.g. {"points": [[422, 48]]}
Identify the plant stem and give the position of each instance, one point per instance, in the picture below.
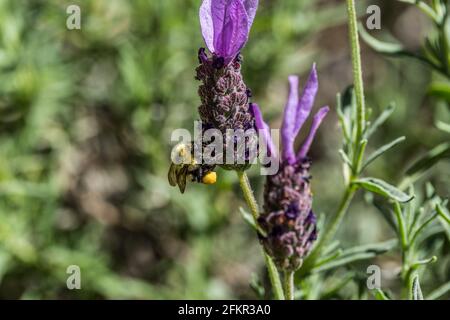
{"points": [[359, 145], [289, 285], [274, 275], [248, 194], [357, 70]]}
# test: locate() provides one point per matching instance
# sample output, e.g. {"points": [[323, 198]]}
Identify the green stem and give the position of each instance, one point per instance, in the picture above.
{"points": [[289, 285], [403, 234], [274, 275], [359, 144], [248, 194], [357, 69]]}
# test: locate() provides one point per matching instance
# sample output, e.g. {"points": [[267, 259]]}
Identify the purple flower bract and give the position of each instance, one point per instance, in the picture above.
{"points": [[226, 25]]}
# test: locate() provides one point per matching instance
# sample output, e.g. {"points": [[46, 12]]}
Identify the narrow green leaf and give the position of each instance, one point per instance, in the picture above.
{"points": [[421, 228], [380, 120], [382, 150], [334, 290], [328, 258], [443, 213], [381, 46], [410, 212], [331, 247], [272, 270], [376, 248], [345, 158], [361, 149], [249, 219], [444, 219], [343, 261], [256, 285], [439, 292], [385, 211], [424, 7], [416, 218], [419, 263], [380, 295], [347, 256], [432, 157], [383, 188], [416, 291]]}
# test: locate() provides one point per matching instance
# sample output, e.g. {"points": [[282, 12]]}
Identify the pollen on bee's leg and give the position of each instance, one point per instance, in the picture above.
{"points": [[210, 178]]}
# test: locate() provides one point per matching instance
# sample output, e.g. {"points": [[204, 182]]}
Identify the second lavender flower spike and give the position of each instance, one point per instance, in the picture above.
{"points": [[288, 219]]}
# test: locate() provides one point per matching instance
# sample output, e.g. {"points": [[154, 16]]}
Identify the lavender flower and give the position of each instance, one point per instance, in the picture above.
{"points": [[288, 219], [224, 95], [225, 98]]}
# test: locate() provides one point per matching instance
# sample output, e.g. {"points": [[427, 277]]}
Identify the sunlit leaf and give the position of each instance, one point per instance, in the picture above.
{"points": [[381, 46], [383, 188]]}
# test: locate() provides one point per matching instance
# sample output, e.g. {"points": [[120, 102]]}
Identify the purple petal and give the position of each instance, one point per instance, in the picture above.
{"points": [[287, 128], [307, 100], [206, 24], [263, 129], [230, 28], [318, 118], [250, 7]]}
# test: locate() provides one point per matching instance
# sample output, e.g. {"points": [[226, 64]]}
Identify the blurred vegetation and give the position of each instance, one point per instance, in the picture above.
{"points": [[85, 123]]}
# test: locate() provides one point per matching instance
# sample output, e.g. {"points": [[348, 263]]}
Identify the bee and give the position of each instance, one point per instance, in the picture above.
{"points": [[186, 168]]}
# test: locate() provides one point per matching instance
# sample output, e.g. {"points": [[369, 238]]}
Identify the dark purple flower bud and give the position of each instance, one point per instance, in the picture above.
{"points": [[288, 220], [226, 25]]}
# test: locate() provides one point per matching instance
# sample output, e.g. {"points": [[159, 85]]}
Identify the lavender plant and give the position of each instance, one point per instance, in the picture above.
{"points": [[357, 132], [287, 226]]}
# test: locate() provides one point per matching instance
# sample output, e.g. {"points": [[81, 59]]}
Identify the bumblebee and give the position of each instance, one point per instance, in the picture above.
{"points": [[186, 168]]}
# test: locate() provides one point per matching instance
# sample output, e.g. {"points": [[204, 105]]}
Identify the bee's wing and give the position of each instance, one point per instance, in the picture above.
{"points": [[181, 178], [172, 175]]}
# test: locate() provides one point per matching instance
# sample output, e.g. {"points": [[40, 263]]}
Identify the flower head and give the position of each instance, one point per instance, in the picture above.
{"points": [[226, 25], [225, 98], [288, 220]]}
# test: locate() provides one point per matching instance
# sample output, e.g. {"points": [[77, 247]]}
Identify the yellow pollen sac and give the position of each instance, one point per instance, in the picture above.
{"points": [[210, 178]]}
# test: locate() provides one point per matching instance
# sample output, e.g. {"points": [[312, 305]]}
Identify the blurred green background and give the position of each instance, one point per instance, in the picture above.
{"points": [[85, 123]]}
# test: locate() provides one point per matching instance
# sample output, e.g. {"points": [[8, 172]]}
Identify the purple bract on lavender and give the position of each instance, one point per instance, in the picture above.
{"points": [[288, 220]]}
